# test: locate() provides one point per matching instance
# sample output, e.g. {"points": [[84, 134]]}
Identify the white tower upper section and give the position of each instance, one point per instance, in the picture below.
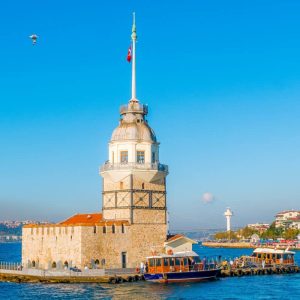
{"points": [[228, 214], [133, 143]]}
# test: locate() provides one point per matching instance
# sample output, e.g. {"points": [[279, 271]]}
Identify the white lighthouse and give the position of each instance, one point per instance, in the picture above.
{"points": [[228, 214]]}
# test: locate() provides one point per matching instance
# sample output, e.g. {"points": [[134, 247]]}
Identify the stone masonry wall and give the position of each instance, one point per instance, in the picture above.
{"points": [[48, 245]]}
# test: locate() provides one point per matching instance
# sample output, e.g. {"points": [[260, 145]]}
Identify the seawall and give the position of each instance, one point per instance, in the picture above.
{"points": [[228, 245]]}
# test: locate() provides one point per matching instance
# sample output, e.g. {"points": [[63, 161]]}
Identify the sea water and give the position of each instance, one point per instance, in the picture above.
{"points": [[285, 286]]}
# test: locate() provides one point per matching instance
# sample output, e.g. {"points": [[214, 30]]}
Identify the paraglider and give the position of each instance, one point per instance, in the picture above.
{"points": [[34, 38]]}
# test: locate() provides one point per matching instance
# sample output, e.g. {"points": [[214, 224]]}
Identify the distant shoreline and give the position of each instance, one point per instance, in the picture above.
{"points": [[241, 245], [238, 245]]}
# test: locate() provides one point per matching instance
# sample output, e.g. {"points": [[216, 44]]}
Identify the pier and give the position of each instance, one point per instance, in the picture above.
{"points": [[40, 276], [238, 272], [122, 276]]}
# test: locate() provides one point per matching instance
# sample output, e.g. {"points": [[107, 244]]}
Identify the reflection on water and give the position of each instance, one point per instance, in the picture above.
{"points": [[255, 287]]}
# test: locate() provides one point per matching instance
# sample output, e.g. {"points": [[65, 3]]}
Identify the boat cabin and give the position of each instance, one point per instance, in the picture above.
{"points": [[273, 256], [177, 262]]}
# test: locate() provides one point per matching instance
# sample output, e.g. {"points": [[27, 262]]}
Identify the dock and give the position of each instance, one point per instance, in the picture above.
{"points": [[238, 272], [113, 279]]}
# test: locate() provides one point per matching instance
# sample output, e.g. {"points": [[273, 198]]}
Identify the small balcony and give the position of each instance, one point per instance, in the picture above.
{"points": [[134, 108], [127, 166]]}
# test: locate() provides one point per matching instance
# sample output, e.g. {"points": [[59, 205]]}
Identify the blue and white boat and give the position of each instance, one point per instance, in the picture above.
{"points": [[179, 267]]}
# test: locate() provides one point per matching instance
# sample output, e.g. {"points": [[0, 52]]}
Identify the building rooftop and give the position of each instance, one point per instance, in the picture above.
{"points": [[83, 219]]}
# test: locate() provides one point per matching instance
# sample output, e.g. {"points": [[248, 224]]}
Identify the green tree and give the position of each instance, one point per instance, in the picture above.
{"points": [[227, 235], [273, 232], [291, 234]]}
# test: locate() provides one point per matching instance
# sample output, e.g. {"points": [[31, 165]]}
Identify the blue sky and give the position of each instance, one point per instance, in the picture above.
{"points": [[221, 79]]}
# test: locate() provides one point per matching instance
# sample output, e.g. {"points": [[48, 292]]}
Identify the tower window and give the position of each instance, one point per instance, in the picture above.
{"points": [[113, 229], [124, 157], [153, 157], [95, 229], [104, 229], [143, 185], [140, 157], [123, 228], [121, 185]]}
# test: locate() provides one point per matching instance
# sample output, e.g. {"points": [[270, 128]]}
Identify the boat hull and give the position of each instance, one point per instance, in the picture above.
{"points": [[192, 276]]}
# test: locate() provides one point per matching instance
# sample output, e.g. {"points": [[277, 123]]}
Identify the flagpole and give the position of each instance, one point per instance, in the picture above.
{"points": [[133, 38]]}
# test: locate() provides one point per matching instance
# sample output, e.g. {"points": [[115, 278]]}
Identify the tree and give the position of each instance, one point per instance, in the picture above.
{"points": [[273, 232], [227, 235], [291, 234]]}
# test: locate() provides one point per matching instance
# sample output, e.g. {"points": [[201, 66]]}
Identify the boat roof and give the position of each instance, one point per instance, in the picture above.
{"points": [[177, 254], [273, 251]]}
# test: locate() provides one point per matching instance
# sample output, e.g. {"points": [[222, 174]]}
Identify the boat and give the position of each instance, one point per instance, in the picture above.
{"points": [[272, 256], [179, 267]]}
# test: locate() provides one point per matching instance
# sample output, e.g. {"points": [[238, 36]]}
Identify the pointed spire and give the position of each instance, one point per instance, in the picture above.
{"points": [[133, 83]]}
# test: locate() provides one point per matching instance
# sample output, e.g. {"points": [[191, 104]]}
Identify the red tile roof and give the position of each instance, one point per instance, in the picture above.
{"points": [[83, 219]]}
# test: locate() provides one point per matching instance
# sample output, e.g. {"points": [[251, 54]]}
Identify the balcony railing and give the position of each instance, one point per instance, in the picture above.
{"points": [[134, 107], [127, 166]]}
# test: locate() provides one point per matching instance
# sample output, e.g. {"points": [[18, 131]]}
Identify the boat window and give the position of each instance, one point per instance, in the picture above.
{"points": [[177, 261], [186, 261], [258, 255], [158, 262], [273, 256], [151, 262], [172, 262], [196, 259], [285, 256], [166, 262], [278, 256]]}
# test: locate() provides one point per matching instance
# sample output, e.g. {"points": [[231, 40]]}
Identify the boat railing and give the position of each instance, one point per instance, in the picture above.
{"points": [[181, 265], [134, 165], [254, 262]]}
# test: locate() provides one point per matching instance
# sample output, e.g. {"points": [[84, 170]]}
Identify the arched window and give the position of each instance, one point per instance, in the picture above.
{"points": [[113, 229], [33, 264], [140, 157], [123, 228], [97, 262], [153, 157], [143, 185], [54, 265], [66, 264], [124, 157], [104, 229], [95, 229]]}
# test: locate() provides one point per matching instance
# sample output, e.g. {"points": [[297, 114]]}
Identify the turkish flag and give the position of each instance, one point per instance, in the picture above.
{"points": [[129, 54]]}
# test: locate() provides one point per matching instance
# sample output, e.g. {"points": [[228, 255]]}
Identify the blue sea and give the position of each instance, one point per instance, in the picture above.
{"points": [[255, 287]]}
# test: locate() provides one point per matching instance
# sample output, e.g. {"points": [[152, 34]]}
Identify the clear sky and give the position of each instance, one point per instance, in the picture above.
{"points": [[222, 81]]}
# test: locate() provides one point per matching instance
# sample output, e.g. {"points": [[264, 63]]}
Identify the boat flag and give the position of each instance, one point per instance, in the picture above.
{"points": [[129, 54]]}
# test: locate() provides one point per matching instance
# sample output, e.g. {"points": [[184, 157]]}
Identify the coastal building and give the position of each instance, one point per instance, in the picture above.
{"points": [[133, 221], [260, 227], [179, 243], [287, 219], [254, 238]]}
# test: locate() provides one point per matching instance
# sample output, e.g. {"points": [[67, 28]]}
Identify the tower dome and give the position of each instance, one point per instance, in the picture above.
{"points": [[138, 131]]}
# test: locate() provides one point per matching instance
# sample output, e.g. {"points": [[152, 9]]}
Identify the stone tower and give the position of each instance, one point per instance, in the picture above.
{"points": [[134, 181]]}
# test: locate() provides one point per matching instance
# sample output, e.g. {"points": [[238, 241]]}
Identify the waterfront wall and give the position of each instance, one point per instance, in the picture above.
{"points": [[55, 247], [228, 245]]}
